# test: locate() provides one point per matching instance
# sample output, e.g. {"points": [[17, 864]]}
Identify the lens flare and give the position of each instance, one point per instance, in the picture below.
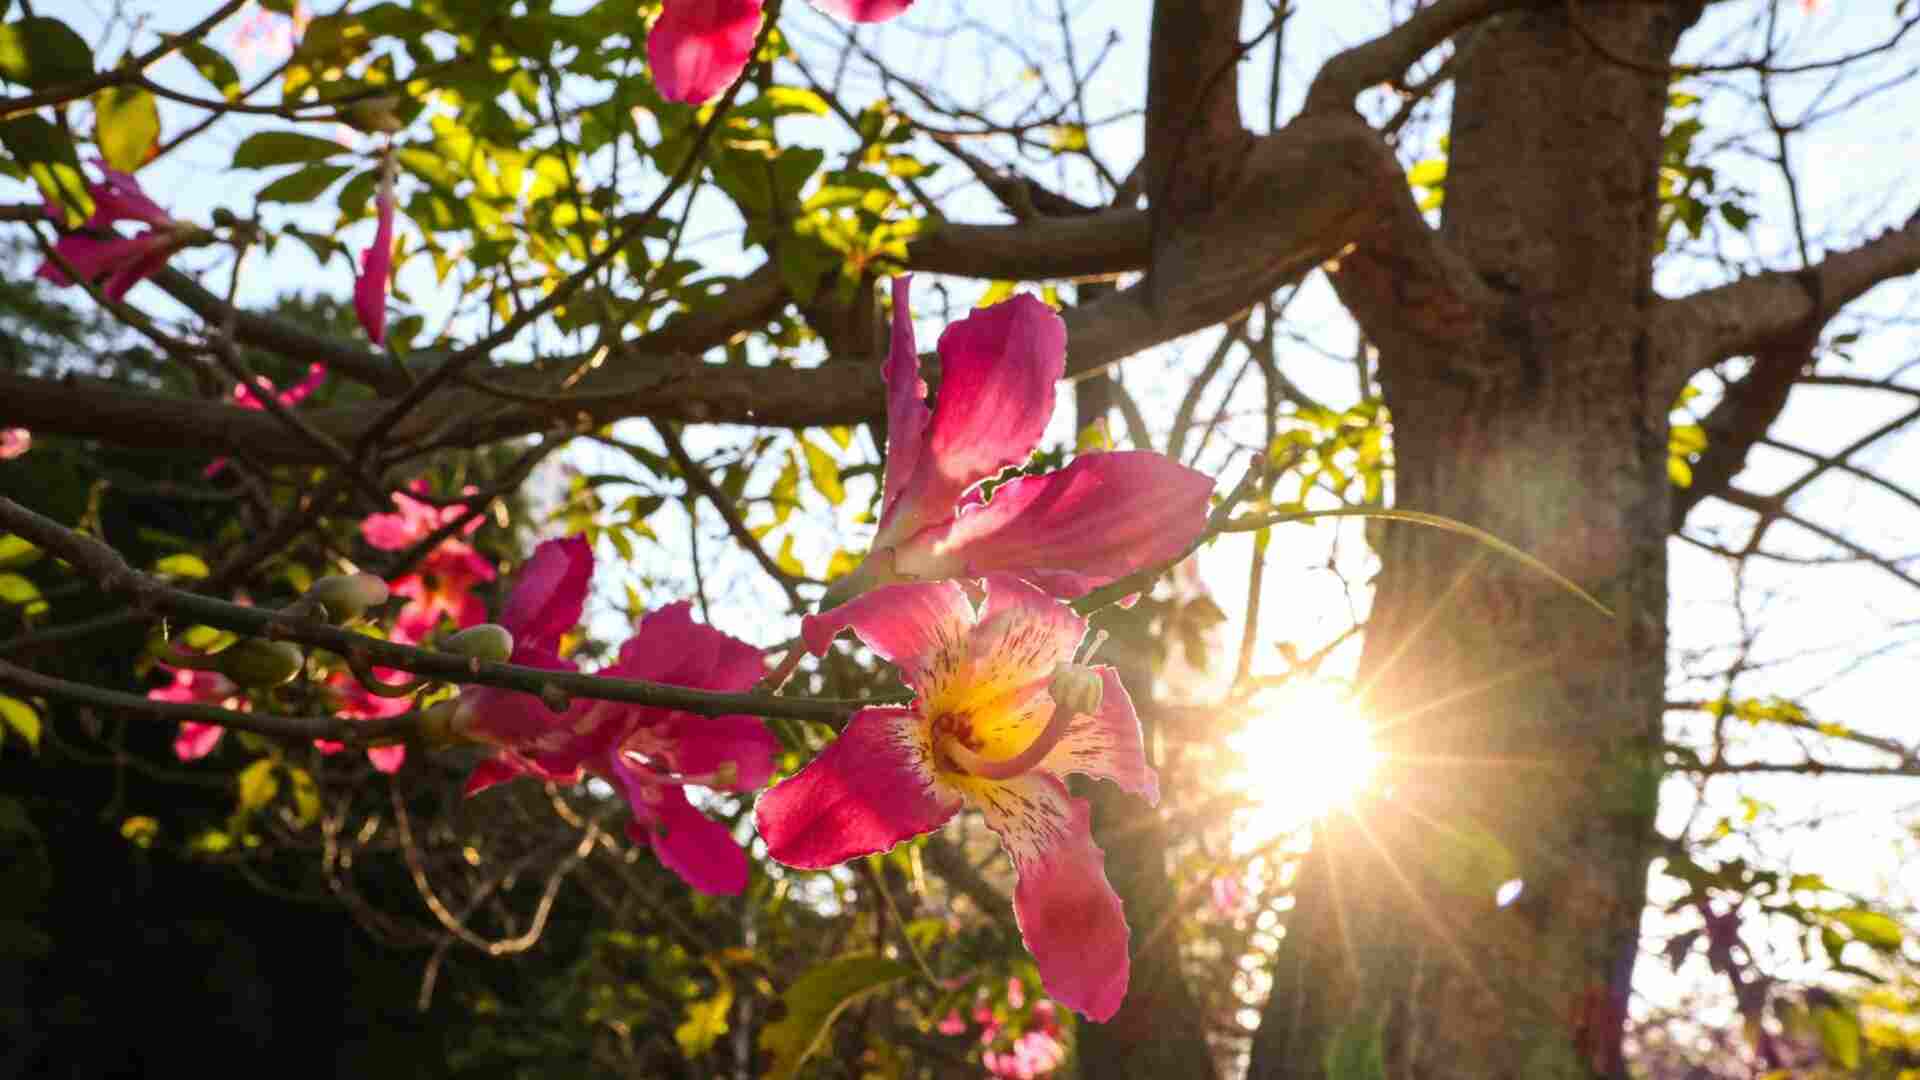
{"points": [[1305, 751]]}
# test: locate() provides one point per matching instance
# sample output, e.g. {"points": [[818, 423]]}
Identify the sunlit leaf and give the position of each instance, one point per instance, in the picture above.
{"points": [[815, 1000], [22, 718], [42, 53], [706, 1022], [257, 785], [183, 565], [126, 125], [265, 149]]}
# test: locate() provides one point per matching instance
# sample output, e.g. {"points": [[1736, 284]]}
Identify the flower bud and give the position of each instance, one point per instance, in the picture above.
{"points": [[349, 596], [375, 115], [488, 641], [260, 664], [1076, 688], [446, 720]]}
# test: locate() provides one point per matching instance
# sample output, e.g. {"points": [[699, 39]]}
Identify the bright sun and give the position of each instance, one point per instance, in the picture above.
{"points": [[1304, 751]]}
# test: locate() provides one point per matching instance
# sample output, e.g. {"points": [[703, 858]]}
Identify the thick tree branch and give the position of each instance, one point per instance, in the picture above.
{"points": [[1194, 138], [1695, 332], [1099, 244], [1744, 415], [1387, 57]]}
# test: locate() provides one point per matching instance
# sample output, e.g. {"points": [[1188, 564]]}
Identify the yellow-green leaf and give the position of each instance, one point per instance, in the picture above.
{"points": [[183, 565], [706, 1022], [258, 785], [16, 552], [1429, 173], [815, 1000], [22, 718], [306, 796], [140, 830], [16, 591], [126, 125], [43, 52], [825, 472], [1680, 472], [788, 562]]}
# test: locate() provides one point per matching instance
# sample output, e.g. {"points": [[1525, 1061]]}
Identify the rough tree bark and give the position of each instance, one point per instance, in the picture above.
{"points": [[1523, 727]]}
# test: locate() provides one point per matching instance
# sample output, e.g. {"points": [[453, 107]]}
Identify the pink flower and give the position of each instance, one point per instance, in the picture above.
{"points": [[698, 48], [1034, 1054], [190, 687], [952, 1024], [376, 264], [442, 586], [863, 10], [357, 702], [14, 441], [1016, 994], [1001, 715], [250, 398], [1070, 531], [96, 251], [650, 754], [265, 35]]}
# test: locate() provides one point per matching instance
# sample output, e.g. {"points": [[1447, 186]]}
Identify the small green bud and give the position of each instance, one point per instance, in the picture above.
{"points": [[488, 641], [260, 664], [375, 115], [349, 596], [1077, 689], [446, 721]]}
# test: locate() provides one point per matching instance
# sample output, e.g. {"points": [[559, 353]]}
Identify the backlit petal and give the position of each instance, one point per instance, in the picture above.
{"points": [[196, 740], [907, 412], [1102, 517], [698, 47], [549, 592], [1069, 915], [376, 266], [863, 10], [669, 647], [686, 841], [494, 770], [873, 787], [1107, 744], [387, 759], [921, 627], [739, 749]]}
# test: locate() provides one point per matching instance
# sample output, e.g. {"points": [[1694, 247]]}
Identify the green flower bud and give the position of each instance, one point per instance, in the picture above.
{"points": [[446, 721], [260, 664], [349, 596], [488, 641]]}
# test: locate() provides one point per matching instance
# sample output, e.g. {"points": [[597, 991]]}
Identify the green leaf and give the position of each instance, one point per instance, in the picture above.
{"points": [[258, 785], [17, 551], [306, 796], [22, 718], [48, 156], [825, 473], [815, 1000], [1839, 1036], [41, 53], [265, 149], [126, 125], [793, 99], [17, 591], [303, 185], [1869, 927], [185, 564], [706, 1022], [213, 67], [1356, 1052]]}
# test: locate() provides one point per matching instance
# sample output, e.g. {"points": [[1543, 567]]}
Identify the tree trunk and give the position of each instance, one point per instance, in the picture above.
{"points": [[1522, 726]]}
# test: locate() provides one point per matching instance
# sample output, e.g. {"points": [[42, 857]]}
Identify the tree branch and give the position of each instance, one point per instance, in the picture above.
{"points": [[1695, 332], [1387, 57], [106, 568]]}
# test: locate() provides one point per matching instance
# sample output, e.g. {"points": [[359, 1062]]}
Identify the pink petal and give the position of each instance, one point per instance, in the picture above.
{"points": [[706, 745], [1107, 745], [1022, 636], [669, 647], [518, 721], [1069, 915], [118, 197], [196, 740], [907, 412], [328, 747], [1098, 519], [698, 47], [911, 626], [863, 10], [952, 1024], [550, 592], [146, 259], [93, 256], [871, 788], [14, 442], [376, 266], [494, 770], [998, 367], [700, 850], [316, 374], [387, 759]]}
